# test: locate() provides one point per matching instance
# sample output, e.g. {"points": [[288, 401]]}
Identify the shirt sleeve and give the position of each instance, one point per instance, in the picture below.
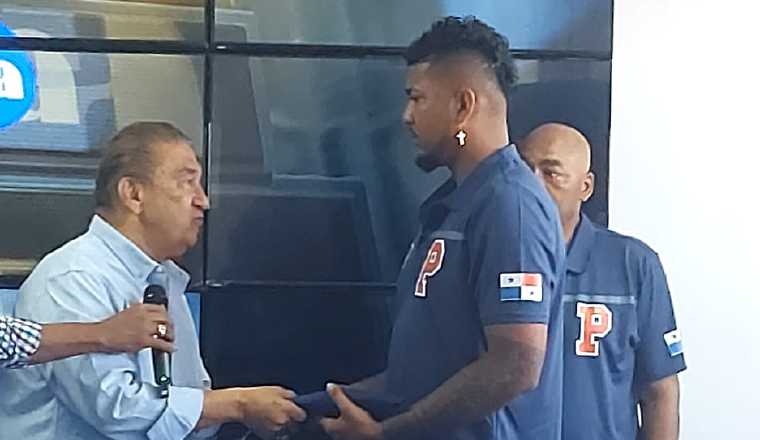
{"points": [[514, 260], [659, 353], [115, 393], [19, 339]]}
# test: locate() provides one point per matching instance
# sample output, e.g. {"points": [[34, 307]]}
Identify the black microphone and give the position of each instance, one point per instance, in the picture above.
{"points": [[162, 361]]}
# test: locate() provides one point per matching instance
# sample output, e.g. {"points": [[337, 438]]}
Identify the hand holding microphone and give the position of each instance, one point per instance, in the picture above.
{"points": [[162, 366], [135, 328]]}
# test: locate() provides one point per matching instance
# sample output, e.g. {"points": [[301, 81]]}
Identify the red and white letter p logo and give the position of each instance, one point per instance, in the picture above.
{"points": [[430, 267]]}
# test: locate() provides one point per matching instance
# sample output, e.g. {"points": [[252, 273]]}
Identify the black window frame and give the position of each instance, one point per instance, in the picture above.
{"points": [[83, 164]]}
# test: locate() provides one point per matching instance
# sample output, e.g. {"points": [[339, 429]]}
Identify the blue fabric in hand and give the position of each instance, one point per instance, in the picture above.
{"points": [[379, 405]]}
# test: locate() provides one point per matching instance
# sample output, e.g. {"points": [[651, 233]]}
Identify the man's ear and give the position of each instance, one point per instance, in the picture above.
{"points": [[131, 194], [588, 186], [464, 106]]}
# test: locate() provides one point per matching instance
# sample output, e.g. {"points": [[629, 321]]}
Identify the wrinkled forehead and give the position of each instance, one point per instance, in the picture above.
{"points": [[173, 156]]}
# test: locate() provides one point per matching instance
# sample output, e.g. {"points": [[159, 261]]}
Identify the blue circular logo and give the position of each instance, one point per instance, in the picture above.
{"points": [[18, 83]]}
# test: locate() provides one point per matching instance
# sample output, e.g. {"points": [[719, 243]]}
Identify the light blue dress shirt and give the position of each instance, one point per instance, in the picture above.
{"points": [[99, 396]]}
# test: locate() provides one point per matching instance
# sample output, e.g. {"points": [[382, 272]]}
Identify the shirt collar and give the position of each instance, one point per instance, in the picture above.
{"points": [[137, 262], [579, 251], [454, 197]]}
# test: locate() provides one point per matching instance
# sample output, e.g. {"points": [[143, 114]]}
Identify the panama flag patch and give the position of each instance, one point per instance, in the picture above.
{"points": [[674, 343], [520, 287]]}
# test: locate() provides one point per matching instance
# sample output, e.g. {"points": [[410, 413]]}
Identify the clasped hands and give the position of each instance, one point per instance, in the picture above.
{"points": [[271, 413]]}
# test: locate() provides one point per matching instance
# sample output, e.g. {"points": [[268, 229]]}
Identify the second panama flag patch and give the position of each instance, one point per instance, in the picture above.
{"points": [[520, 287]]}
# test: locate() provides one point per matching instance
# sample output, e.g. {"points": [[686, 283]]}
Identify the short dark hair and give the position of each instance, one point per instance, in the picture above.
{"points": [[129, 154], [456, 35]]}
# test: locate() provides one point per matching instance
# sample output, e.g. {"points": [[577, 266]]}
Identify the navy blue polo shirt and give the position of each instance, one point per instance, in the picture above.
{"points": [[620, 332], [489, 252]]}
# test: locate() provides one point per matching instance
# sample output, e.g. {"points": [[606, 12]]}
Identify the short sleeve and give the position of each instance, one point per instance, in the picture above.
{"points": [[515, 258], [660, 350]]}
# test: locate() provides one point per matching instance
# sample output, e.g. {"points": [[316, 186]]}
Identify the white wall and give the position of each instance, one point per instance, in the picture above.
{"points": [[685, 177]]}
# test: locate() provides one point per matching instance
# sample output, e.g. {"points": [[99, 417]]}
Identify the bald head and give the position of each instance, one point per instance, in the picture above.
{"points": [[561, 156], [561, 142]]}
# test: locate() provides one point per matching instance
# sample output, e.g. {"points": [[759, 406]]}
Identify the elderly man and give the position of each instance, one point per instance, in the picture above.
{"points": [[622, 348], [149, 210]]}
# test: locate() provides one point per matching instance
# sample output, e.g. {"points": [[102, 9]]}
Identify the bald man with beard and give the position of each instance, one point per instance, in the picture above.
{"points": [[622, 348]]}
